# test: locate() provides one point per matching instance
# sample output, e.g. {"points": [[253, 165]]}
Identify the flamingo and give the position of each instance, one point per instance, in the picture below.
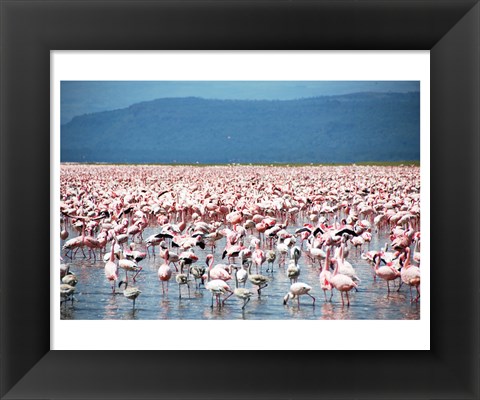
{"points": [[387, 272], [270, 258], [258, 256], [410, 274], [345, 267], [342, 283], [233, 251], [64, 268], [282, 249], [182, 279], [241, 275], [164, 272], [298, 289], [216, 272], [416, 251], [154, 240], [134, 254], [258, 280], [129, 265], [293, 271], [111, 268], [217, 287], [197, 271], [242, 293], [70, 279], [131, 292], [326, 275], [66, 293]]}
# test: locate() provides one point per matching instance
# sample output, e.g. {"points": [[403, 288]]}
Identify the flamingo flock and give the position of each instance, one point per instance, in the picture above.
{"points": [[269, 224]]}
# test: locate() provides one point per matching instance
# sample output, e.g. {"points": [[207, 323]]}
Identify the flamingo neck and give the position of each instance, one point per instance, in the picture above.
{"points": [[335, 271], [327, 260], [407, 260], [112, 257], [377, 263]]}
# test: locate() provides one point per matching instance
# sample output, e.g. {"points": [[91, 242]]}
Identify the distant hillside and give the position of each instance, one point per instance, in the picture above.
{"points": [[348, 128]]}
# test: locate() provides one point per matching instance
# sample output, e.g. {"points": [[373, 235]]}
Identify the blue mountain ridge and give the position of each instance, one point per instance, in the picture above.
{"points": [[329, 129]]}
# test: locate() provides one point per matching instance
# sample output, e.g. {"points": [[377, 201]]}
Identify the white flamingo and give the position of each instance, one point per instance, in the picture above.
{"points": [[298, 289]]}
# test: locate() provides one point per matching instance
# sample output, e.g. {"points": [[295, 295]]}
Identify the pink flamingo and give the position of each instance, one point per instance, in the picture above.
{"points": [[232, 251], [216, 287], [326, 275], [387, 272], [410, 275], [111, 268], [164, 272], [258, 256], [342, 283], [216, 272]]}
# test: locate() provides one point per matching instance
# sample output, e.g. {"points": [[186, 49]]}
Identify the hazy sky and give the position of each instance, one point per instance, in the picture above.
{"points": [[84, 97]]}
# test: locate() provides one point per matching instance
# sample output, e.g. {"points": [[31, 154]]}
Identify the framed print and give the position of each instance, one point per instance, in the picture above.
{"points": [[33, 32], [179, 309]]}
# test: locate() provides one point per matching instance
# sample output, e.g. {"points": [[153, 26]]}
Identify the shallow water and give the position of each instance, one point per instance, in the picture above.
{"points": [[94, 299]]}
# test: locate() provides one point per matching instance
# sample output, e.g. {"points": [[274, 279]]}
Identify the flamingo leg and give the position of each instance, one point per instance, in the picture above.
{"points": [[399, 286], [226, 298], [312, 298], [418, 294], [341, 293], [138, 271], [260, 288], [348, 300], [245, 302]]}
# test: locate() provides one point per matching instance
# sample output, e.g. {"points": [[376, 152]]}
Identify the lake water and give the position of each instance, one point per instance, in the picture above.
{"points": [[94, 299]]}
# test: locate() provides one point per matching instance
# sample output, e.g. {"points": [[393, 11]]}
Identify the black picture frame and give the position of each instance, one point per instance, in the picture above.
{"points": [[30, 29]]}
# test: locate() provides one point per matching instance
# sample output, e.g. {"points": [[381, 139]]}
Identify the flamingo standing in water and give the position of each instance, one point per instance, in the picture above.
{"points": [[282, 248], [131, 292], [258, 280], [293, 270], [217, 287], [164, 272], [242, 293], [111, 268], [410, 275], [128, 265], [326, 275], [258, 256], [386, 272], [217, 272], [197, 271], [182, 279], [298, 289], [66, 293], [342, 283], [270, 258]]}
